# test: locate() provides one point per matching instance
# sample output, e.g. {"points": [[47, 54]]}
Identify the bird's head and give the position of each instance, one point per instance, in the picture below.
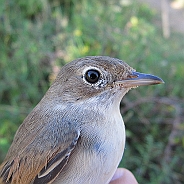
{"points": [[97, 76]]}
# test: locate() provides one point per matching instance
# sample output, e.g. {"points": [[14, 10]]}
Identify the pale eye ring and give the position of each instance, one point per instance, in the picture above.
{"points": [[92, 76]]}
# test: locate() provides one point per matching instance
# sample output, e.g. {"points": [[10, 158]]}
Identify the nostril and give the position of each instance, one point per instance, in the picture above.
{"points": [[132, 76]]}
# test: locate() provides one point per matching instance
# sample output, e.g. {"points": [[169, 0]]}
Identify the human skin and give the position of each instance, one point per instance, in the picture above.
{"points": [[123, 176]]}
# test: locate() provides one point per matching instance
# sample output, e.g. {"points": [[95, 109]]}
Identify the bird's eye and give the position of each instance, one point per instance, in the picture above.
{"points": [[92, 76]]}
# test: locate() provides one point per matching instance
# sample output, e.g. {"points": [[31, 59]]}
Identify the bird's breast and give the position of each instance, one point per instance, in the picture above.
{"points": [[98, 151], [103, 144]]}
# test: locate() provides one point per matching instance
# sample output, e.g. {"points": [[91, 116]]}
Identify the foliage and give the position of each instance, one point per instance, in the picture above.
{"points": [[38, 36]]}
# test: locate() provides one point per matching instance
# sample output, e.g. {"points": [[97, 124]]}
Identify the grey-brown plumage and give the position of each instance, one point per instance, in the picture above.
{"points": [[76, 133]]}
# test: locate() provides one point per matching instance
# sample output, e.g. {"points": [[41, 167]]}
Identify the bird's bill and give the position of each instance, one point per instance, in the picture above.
{"points": [[140, 79]]}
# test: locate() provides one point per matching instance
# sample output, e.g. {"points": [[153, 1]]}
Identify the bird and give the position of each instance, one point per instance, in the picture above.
{"points": [[75, 134]]}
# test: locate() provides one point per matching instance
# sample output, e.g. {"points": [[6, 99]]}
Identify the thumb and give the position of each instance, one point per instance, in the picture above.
{"points": [[123, 176]]}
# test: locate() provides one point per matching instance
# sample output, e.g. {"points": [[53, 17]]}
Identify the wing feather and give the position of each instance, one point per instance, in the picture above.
{"points": [[43, 158]]}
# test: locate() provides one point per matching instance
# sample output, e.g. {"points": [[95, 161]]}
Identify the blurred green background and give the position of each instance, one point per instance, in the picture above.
{"points": [[38, 37]]}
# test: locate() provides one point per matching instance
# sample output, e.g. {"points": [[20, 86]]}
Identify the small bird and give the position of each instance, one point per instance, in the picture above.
{"points": [[75, 135]]}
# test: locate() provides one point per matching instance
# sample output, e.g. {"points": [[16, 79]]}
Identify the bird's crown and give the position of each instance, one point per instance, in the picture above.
{"points": [[90, 76]]}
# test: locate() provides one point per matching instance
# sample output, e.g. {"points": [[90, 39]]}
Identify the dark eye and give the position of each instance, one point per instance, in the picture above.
{"points": [[92, 76]]}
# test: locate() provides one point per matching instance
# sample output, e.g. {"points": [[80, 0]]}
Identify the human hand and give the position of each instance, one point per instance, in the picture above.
{"points": [[123, 176]]}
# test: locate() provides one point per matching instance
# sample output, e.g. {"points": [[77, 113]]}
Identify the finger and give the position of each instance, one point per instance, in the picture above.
{"points": [[123, 176]]}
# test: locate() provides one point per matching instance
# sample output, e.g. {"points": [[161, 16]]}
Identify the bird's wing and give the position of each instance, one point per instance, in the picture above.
{"points": [[43, 158]]}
